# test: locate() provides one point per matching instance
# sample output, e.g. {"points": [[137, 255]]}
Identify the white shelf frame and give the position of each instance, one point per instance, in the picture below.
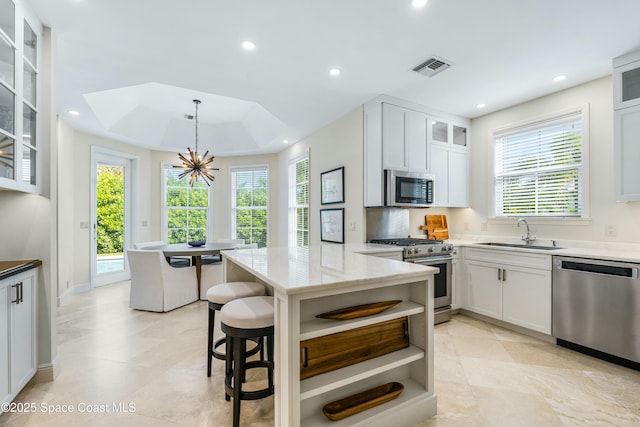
{"points": [[321, 327]]}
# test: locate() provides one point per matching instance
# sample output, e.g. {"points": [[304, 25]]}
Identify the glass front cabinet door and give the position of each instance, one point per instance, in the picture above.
{"points": [[20, 145], [626, 81]]}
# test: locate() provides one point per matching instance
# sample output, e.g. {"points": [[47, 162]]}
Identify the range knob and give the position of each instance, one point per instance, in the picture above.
{"points": [[417, 250], [409, 251], [432, 249]]}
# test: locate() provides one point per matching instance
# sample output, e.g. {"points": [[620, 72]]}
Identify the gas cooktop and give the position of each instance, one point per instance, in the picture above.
{"points": [[406, 241], [418, 248]]}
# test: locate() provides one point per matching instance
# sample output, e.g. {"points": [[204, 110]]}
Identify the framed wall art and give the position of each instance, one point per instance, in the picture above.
{"points": [[332, 225], [332, 186]]}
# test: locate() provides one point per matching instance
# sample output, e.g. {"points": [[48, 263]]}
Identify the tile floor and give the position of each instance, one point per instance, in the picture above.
{"points": [[484, 375]]}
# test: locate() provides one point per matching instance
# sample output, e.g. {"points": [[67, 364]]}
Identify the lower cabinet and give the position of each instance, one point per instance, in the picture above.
{"points": [[457, 279], [514, 288], [17, 333]]}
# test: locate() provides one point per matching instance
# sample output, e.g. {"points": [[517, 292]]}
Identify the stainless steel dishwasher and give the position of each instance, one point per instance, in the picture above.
{"points": [[596, 305]]}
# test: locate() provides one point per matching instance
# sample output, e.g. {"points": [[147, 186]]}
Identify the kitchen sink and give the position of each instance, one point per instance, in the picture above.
{"points": [[519, 245]]}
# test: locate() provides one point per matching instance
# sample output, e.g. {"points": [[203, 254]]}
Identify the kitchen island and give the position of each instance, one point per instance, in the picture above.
{"points": [[308, 281]]}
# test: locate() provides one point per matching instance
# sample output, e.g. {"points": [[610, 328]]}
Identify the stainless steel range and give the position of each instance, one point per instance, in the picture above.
{"points": [[432, 253]]}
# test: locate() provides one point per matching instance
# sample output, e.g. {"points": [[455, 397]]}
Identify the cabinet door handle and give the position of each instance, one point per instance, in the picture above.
{"points": [[17, 300], [21, 292], [504, 275], [499, 275], [305, 357]]}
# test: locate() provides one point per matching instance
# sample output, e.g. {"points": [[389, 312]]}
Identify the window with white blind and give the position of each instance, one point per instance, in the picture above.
{"points": [[299, 201], [249, 204], [538, 167], [185, 208]]}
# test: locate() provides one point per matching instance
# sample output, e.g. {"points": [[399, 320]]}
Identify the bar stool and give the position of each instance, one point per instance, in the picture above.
{"points": [[218, 296], [242, 319]]}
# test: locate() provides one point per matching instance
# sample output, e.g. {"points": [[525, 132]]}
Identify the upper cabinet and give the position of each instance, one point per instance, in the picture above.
{"points": [[400, 135], [626, 154], [449, 162], [404, 139], [20, 142]]}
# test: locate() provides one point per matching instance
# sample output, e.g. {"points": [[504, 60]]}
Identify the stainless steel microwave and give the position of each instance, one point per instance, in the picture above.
{"points": [[409, 189]]}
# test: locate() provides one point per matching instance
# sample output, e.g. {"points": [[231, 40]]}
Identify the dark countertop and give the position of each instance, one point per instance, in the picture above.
{"points": [[11, 268]]}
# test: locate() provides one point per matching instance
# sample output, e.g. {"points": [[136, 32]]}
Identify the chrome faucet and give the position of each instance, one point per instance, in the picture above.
{"points": [[528, 238]]}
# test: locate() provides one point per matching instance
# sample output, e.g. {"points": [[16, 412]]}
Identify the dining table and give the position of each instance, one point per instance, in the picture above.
{"points": [[195, 252]]}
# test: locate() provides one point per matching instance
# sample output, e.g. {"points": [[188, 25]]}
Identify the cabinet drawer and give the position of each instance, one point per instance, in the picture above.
{"points": [[335, 351], [506, 257]]}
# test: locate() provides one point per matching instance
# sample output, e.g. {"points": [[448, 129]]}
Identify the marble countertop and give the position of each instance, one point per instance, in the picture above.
{"points": [[624, 252], [296, 270]]}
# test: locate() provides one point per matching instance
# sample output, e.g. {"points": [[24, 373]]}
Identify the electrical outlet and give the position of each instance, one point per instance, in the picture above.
{"points": [[84, 225], [483, 226], [145, 223], [352, 226], [610, 230]]}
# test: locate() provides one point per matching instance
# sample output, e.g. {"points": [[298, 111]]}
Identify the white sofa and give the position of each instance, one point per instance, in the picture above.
{"points": [[156, 285]]}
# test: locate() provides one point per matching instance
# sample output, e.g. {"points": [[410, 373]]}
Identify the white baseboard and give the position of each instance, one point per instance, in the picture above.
{"points": [[77, 289], [47, 372]]}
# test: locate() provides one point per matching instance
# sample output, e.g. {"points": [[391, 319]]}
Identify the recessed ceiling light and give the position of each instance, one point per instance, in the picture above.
{"points": [[74, 113], [559, 78], [481, 105], [419, 3], [334, 71], [248, 45], [285, 141]]}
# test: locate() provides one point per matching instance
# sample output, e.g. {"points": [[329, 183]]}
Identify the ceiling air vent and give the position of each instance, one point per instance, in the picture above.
{"points": [[433, 66]]}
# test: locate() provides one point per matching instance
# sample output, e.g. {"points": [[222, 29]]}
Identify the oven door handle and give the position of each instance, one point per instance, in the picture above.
{"points": [[430, 260]]}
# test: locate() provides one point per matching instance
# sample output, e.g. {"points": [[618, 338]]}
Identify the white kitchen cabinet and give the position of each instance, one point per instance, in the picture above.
{"points": [[398, 135], [440, 171], [18, 332], [5, 391], [626, 81], [404, 139], [626, 153], [21, 145], [484, 289], [457, 279], [450, 168], [626, 150], [514, 288]]}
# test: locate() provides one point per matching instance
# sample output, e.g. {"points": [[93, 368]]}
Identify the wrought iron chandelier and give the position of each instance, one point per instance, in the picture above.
{"points": [[196, 166]]}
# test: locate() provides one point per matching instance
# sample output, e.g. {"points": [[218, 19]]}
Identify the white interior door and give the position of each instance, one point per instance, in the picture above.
{"points": [[111, 217]]}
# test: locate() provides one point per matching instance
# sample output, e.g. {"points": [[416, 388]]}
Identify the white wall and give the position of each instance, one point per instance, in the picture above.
{"points": [[65, 225], [80, 163], [221, 198], [338, 144], [603, 209]]}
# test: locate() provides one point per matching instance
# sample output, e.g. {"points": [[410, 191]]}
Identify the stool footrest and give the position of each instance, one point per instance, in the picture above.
{"points": [[220, 355]]}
